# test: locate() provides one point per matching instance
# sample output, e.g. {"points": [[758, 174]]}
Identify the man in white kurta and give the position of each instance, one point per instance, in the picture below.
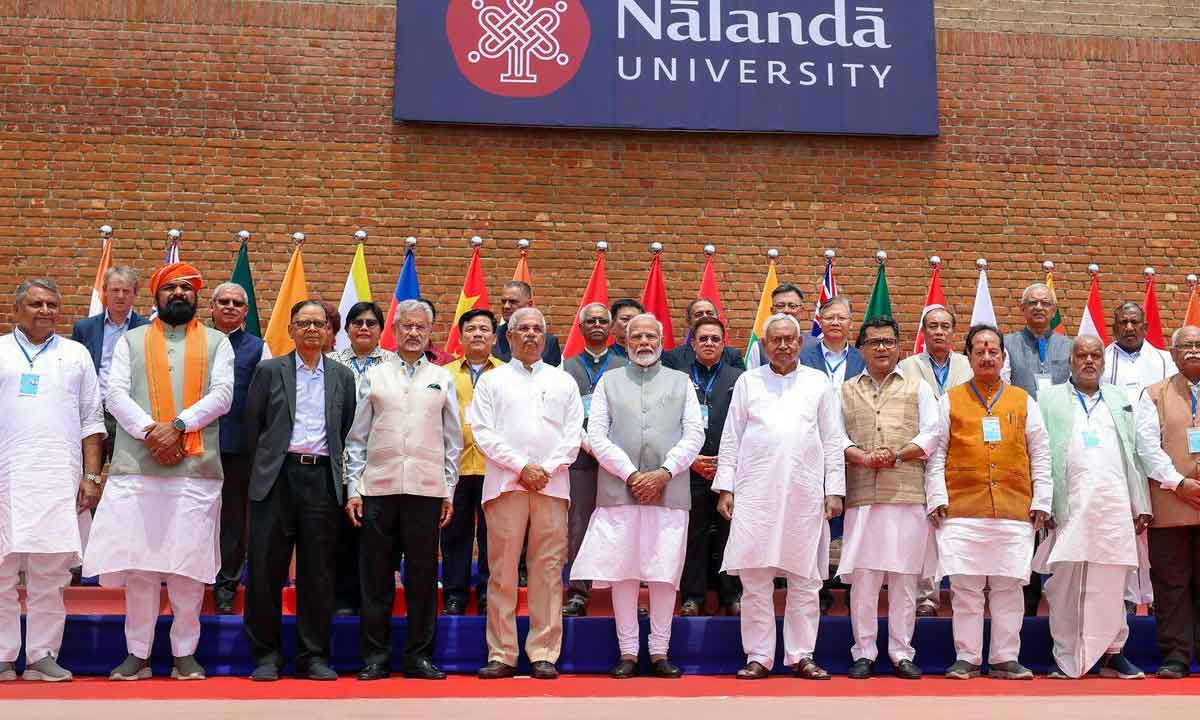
{"points": [[51, 435], [891, 421], [1133, 364], [781, 476], [645, 429], [158, 521], [1100, 499], [989, 492]]}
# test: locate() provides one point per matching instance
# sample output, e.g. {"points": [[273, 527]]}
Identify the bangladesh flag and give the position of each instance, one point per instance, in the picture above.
{"points": [[881, 301], [241, 276]]}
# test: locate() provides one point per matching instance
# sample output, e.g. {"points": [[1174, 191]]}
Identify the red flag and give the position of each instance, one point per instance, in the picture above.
{"points": [[934, 299], [1192, 316], [654, 299], [473, 295], [708, 288], [1092, 322], [596, 292], [1153, 320]]}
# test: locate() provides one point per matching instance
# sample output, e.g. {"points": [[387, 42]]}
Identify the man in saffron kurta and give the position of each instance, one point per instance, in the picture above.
{"points": [[989, 491], [170, 383], [1100, 499]]}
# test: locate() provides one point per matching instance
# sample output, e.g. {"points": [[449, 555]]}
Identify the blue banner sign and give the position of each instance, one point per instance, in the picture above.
{"points": [[862, 67]]}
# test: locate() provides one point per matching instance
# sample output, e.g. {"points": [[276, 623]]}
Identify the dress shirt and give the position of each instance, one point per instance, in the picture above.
{"points": [[521, 416], [1134, 371], [112, 333], [207, 410], [929, 427], [472, 461], [835, 360], [1155, 460], [364, 418], [308, 427]]}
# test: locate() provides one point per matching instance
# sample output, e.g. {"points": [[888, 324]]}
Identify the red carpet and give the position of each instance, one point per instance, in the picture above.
{"points": [[579, 687]]}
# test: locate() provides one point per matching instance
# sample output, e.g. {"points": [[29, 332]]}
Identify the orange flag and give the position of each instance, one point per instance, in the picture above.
{"points": [[97, 305], [522, 271], [293, 289], [1192, 316], [597, 291], [473, 295]]}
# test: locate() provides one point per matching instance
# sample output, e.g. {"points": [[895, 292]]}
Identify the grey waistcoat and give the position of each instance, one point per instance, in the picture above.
{"points": [[130, 456], [1024, 363], [645, 409]]}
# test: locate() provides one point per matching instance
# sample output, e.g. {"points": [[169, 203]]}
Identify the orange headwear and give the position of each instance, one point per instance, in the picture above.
{"points": [[176, 271]]}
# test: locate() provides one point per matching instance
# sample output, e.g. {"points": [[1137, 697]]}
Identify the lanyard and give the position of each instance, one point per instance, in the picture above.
{"points": [[832, 369], [983, 402], [50, 342], [712, 379], [1042, 350], [593, 379], [475, 375], [1088, 410], [1192, 389], [365, 366], [941, 374]]}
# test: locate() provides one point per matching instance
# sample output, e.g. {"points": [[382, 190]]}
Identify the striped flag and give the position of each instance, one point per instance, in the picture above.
{"points": [[172, 258], [934, 299], [829, 289], [357, 289], [473, 295], [408, 287], [1092, 322], [753, 349], [1056, 321], [97, 305]]}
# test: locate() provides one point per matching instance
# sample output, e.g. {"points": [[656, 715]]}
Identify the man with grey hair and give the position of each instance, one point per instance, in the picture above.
{"points": [[645, 430], [53, 432], [682, 357], [781, 477], [595, 323], [514, 295], [402, 458], [834, 355], [229, 306]]}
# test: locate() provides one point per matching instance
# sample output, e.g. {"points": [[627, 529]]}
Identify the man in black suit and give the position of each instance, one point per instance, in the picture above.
{"points": [[682, 357], [514, 295], [713, 380], [100, 333], [298, 412]]}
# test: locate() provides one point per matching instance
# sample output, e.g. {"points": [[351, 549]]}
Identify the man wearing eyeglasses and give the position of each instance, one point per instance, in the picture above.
{"points": [[228, 308], [892, 428], [786, 299], [298, 411], [682, 357]]}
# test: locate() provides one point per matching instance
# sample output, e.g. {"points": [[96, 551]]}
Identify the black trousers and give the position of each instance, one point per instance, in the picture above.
{"points": [[466, 527], [347, 588], [301, 512], [391, 525], [707, 534], [110, 442], [1175, 575], [235, 527]]}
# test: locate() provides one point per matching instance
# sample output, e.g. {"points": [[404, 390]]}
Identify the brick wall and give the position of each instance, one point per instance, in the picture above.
{"points": [[1068, 133]]}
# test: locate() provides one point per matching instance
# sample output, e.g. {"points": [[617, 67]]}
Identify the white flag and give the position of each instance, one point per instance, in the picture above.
{"points": [[983, 313]]}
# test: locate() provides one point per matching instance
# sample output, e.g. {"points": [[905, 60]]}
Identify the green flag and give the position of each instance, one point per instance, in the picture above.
{"points": [[241, 276], [881, 301]]}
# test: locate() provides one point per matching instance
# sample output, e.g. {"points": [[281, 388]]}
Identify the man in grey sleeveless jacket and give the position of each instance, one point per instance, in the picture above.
{"points": [[645, 429]]}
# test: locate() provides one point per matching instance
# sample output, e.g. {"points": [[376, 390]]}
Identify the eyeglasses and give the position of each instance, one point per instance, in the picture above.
{"points": [[306, 324], [885, 343], [411, 328], [781, 307], [364, 323], [1188, 347], [595, 321], [231, 302]]}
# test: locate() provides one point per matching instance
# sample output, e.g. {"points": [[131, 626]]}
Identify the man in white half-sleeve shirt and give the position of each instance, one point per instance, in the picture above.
{"points": [[527, 418], [781, 476], [645, 430]]}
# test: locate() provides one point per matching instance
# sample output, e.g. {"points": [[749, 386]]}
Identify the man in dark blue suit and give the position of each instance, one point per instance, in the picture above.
{"points": [[514, 295], [682, 357], [100, 333]]}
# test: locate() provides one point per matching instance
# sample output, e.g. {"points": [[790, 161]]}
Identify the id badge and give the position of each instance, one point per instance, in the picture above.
{"points": [[587, 405], [1043, 383], [991, 429], [29, 384], [704, 415], [1194, 440], [1091, 439]]}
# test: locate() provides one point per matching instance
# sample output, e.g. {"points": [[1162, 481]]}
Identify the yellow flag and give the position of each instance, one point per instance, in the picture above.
{"points": [[293, 290], [764, 309]]}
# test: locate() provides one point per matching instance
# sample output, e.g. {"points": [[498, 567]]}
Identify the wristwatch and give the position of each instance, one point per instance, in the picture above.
{"points": [[93, 478], [179, 425], [898, 461]]}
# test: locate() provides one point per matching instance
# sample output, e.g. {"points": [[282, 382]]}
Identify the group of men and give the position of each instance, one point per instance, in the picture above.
{"points": [[624, 467]]}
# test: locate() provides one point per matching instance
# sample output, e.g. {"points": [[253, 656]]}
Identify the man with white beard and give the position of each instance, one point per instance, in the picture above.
{"points": [[645, 429], [781, 476]]}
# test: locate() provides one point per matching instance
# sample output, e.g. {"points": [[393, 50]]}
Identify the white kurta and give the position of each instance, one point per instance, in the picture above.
{"points": [[781, 454], [41, 457], [985, 546], [156, 523]]}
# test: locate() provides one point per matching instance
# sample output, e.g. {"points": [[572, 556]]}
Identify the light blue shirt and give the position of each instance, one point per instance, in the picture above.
{"points": [[308, 430], [835, 364], [112, 333]]}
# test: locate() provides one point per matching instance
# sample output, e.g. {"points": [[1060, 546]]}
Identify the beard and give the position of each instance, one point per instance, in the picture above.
{"points": [[177, 312], [647, 358]]}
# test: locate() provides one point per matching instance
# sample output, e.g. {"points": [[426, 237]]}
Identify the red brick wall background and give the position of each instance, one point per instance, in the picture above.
{"points": [[275, 117]]}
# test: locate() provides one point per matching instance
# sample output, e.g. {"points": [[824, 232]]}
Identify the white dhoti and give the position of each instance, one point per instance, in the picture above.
{"points": [[1087, 614], [46, 574]]}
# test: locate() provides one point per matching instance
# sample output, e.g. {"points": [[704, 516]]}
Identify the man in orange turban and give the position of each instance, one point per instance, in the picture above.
{"points": [[170, 383]]}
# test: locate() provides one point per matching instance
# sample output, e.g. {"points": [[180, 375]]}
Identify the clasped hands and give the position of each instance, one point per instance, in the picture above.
{"points": [[646, 487], [878, 458], [165, 443]]}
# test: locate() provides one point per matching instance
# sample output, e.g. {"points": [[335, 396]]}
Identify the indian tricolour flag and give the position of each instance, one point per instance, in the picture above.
{"points": [[753, 351]]}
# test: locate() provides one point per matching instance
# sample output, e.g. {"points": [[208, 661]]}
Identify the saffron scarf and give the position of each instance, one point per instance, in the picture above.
{"points": [[158, 375]]}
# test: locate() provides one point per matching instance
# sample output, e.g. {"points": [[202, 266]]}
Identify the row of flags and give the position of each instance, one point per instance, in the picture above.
{"points": [[294, 288]]}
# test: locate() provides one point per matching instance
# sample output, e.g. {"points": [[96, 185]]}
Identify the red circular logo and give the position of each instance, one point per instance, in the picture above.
{"points": [[518, 48]]}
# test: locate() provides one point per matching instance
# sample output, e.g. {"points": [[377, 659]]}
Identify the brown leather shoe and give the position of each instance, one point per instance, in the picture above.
{"points": [[543, 670], [495, 670], [753, 671], [689, 608], [806, 669], [625, 668]]}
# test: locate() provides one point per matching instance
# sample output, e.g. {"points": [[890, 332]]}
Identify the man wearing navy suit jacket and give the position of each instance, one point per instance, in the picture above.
{"points": [[100, 333], [514, 295]]}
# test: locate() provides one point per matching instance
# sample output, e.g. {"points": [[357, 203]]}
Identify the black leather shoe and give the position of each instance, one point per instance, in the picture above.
{"points": [[1173, 670], [317, 669], [346, 611], [625, 669], [908, 670], [754, 670], [224, 606], [825, 600], [375, 671], [690, 608], [454, 605], [267, 672], [543, 670], [424, 669], [522, 577], [664, 668], [860, 669], [575, 606], [481, 603], [495, 670]]}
